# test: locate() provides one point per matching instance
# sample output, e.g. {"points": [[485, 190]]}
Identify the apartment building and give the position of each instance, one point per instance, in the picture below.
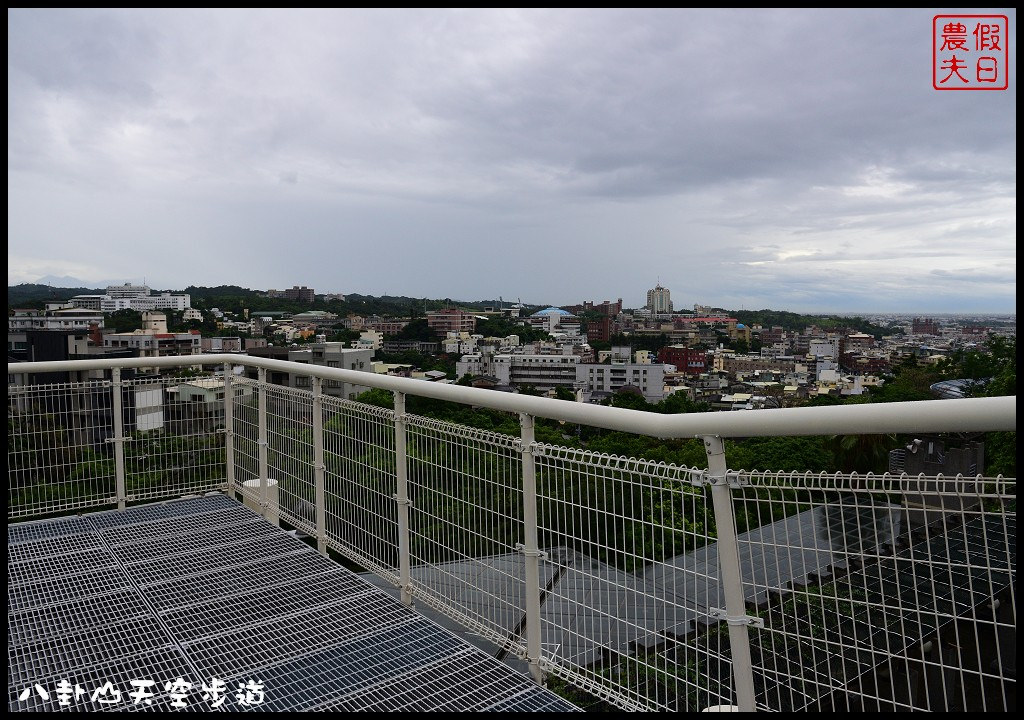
{"points": [[326, 354], [602, 380], [451, 320]]}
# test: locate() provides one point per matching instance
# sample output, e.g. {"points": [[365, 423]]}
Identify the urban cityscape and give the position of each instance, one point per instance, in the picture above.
{"points": [[588, 352]]}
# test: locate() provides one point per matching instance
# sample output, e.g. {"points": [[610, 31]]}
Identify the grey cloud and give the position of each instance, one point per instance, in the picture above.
{"points": [[569, 143]]}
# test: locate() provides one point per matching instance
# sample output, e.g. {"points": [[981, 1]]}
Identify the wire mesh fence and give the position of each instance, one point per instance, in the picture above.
{"points": [[290, 460], [174, 436], [359, 484], [63, 442], [465, 488], [860, 592], [625, 615], [58, 457], [900, 594]]}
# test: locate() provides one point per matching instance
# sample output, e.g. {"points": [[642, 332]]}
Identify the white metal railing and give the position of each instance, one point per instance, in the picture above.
{"points": [[649, 585]]}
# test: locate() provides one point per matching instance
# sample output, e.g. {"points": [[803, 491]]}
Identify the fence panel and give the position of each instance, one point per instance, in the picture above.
{"points": [[880, 593], [627, 611], [359, 484], [465, 487]]}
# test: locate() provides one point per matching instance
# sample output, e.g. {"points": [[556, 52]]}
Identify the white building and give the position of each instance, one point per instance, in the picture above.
{"points": [[221, 344], [76, 319], [327, 354], [602, 380], [457, 343], [152, 344], [368, 340], [824, 348], [555, 320], [659, 300], [131, 297], [543, 372], [475, 365], [127, 290], [826, 371]]}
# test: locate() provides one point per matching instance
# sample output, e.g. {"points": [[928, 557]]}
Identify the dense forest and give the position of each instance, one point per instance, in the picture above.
{"points": [[233, 298], [797, 322]]}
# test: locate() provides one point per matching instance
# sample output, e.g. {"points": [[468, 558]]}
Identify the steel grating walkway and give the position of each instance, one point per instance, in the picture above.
{"points": [[202, 605]]}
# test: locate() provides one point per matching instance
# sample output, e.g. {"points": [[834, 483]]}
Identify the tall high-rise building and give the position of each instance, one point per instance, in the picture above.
{"points": [[659, 300]]}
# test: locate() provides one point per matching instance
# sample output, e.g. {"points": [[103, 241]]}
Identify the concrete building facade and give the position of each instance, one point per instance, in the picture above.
{"points": [[659, 300]]}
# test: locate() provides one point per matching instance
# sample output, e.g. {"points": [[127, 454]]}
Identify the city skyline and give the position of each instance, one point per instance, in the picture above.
{"points": [[67, 282], [742, 159]]}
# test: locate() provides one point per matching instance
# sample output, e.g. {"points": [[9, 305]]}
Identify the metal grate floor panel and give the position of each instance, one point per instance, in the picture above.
{"points": [[67, 618], [56, 590], [201, 605], [227, 583]]}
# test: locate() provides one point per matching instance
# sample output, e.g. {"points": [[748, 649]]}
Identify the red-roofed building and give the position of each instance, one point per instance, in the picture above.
{"points": [[692, 361]]}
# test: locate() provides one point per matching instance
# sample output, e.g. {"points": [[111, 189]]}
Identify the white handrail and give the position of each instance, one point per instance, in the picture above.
{"points": [[954, 415]]}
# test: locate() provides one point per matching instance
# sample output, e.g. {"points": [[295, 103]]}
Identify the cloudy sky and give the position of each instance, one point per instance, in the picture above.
{"points": [[796, 160]]}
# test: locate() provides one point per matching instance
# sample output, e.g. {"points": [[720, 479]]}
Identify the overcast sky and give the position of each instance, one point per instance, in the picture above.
{"points": [[795, 160]]}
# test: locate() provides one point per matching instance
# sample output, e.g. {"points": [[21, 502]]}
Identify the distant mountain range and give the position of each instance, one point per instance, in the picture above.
{"points": [[67, 281], [64, 281]]}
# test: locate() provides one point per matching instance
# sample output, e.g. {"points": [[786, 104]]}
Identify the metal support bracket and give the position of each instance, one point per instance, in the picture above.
{"points": [[531, 448], [733, 480], [749, 620], [407, 501], [531, 553]]}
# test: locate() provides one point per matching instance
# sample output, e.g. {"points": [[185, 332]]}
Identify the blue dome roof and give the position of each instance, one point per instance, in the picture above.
{"points": [[551, 311]]}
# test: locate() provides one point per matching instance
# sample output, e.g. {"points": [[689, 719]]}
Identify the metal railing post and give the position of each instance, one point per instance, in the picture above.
{"points": [[402, 502], [735, 611], [531, 553], [118, 410], [261, 413], [319, 467], [229, 431]]}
